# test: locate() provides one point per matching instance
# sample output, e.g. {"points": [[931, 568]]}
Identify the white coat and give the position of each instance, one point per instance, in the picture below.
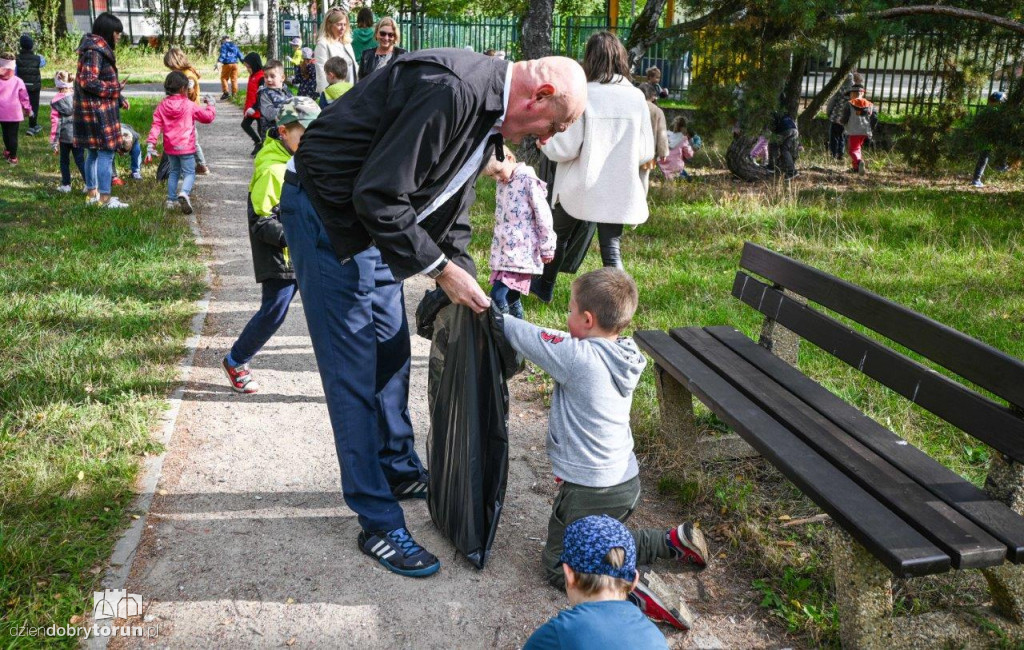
{"points": [[325, 49], [599, 156]]}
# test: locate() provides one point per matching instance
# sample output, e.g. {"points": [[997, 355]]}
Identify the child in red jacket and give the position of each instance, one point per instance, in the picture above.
{"points": [[176, 118], [254, 64]]}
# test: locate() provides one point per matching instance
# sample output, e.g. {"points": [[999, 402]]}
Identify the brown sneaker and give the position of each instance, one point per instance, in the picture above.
{"points": [[240, 378], [202, 170]]}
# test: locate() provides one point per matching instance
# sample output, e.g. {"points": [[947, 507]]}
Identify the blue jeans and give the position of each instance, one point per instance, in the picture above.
{"points": [[184, 167], [277, 296], [356, 317], [99, 169], [67, 152]]}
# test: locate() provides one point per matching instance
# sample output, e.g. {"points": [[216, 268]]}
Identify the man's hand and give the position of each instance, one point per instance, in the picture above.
{"points": [[462, 288]]}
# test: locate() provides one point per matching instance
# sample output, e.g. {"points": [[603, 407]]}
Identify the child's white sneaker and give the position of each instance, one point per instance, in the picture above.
{"points": [[92, 200], [185, 203], [137, 176], [64, 189], [115, 203], [170, 204]]}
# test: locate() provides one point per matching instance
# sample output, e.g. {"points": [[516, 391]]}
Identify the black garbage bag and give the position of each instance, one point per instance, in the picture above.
{"points": [[467, 449], [582, 233]]}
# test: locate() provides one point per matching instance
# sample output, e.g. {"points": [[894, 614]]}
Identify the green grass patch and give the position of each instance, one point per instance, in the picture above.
{"points": [[97, 305], [933, 245]]}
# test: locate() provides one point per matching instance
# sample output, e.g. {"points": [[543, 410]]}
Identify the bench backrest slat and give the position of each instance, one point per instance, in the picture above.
{"points": [[972, 412], [973, 360]]}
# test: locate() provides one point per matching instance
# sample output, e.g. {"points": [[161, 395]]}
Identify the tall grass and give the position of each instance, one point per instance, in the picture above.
{"points": [[96, 308]]}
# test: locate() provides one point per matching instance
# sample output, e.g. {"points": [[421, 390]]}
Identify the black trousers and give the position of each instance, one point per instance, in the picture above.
{"points": [[836, 140], [33, 99], [979, 168], [249, 131], [10, 135], [609, 235]]}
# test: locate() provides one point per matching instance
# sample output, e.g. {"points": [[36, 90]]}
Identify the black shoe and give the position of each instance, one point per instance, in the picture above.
{"points": [[399, 553], [543, 290], [411, 489], [225, 96], [516, 309], [256, 149]]}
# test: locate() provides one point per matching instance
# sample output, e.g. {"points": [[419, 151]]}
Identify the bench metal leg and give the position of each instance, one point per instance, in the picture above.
{"points": [[780, 341], [1005, 482], [679, 428]]}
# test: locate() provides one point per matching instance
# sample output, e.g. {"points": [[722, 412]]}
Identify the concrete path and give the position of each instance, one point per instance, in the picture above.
{"points": [[249, 543]]}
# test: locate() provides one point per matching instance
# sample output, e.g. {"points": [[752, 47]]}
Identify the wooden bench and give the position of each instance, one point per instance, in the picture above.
{"points": [[910, 515]]}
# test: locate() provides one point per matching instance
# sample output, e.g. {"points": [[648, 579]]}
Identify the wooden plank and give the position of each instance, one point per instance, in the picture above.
{"points": [[903, 550], [992, 515], [969, 546], [978, 362], [975, 414]]}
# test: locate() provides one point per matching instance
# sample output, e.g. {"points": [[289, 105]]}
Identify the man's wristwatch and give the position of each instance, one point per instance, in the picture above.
{"points": [[436, 271]]}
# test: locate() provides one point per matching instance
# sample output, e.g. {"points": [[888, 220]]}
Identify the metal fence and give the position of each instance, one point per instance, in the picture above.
{"points": [[902, 75]]}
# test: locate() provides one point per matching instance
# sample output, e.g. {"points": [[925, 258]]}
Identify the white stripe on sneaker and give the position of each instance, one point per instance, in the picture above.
{"points": [[388, 554], [410, 488], [376, 547]]}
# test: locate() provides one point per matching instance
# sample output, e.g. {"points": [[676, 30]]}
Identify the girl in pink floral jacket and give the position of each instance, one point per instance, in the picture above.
{"points": [[524, 238]]}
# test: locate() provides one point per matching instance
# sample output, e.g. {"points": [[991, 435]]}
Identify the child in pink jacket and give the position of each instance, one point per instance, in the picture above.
{"points": [[14, 106], [679, 151], [176, 117], [524, 237]]}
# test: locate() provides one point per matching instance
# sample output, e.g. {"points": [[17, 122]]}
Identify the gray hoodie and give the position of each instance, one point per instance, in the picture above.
{"points": [[589, 439]]}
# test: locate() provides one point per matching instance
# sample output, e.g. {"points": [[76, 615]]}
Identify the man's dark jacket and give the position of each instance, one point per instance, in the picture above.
{"points": [[382, 152]]}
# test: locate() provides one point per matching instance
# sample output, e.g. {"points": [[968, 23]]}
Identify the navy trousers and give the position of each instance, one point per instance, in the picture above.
{"points": [[356, 317], [277, 296]]}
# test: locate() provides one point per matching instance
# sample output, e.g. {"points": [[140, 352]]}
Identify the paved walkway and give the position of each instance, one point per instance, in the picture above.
{"points": [[249, 542]]}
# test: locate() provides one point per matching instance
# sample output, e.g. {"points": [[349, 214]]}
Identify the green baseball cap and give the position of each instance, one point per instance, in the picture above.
{"points": [[298, 109]]}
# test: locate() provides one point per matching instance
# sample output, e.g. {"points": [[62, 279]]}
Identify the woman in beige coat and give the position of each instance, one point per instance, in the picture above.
{"points": [[335, 40], [598, 176]]}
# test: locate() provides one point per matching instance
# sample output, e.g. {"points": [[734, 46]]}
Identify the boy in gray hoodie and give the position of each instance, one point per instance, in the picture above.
{"points": [[590, 442]]}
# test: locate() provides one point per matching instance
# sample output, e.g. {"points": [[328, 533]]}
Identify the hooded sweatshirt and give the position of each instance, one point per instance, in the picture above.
{"points": [[590, 442], [61, 108], [13, 100], [176, 117]]}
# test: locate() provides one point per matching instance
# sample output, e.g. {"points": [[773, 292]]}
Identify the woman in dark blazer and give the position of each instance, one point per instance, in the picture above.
{"points": [[387, 35]]}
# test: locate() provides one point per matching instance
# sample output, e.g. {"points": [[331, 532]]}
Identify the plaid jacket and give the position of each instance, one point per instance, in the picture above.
{"points": [[97, 105]]}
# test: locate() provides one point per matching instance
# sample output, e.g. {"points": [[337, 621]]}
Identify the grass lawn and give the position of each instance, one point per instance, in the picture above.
{"points": [[97, 305], [935, 245]]}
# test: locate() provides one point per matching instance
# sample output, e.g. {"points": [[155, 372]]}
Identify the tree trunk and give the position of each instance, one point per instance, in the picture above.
{"points": [[273, 44], [739, 162], [845, 66], [644, 30], [537, 29], [794, 84]]}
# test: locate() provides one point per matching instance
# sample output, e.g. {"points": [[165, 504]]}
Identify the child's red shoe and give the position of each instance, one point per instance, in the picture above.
{"points": [[688, 545], [657, 610], [117, 181]]}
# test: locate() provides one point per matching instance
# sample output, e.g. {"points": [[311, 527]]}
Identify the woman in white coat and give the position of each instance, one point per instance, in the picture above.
{"points": [[335, 40], [598, 177]]}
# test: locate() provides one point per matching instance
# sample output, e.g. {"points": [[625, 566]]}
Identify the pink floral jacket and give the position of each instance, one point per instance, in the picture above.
{"points": [[523, 232]]}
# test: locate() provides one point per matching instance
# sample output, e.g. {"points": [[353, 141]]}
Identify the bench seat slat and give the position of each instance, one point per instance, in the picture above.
{"points": [[978, 362], [968, 545], [901, 548], [992, 515], [973, 413]]}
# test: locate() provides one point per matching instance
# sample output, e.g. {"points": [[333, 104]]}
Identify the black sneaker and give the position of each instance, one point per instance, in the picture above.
{"points": [[516, 309], [225, 96], [399, 553], [411, 489]]}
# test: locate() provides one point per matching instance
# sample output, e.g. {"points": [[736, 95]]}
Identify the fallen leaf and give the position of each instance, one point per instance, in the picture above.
{"points": [[135, 516], [787, 544], [162, 492], [290, 642], [76, 619], [81, 475], [96, 570], [784, 518], [290, 601]]}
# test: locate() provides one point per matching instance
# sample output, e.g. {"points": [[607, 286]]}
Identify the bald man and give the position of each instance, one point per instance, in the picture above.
{"points": [[380, 190]]}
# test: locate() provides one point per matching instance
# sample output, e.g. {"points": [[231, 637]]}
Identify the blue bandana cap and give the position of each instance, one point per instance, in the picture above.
{"points": [[587, 542]]}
